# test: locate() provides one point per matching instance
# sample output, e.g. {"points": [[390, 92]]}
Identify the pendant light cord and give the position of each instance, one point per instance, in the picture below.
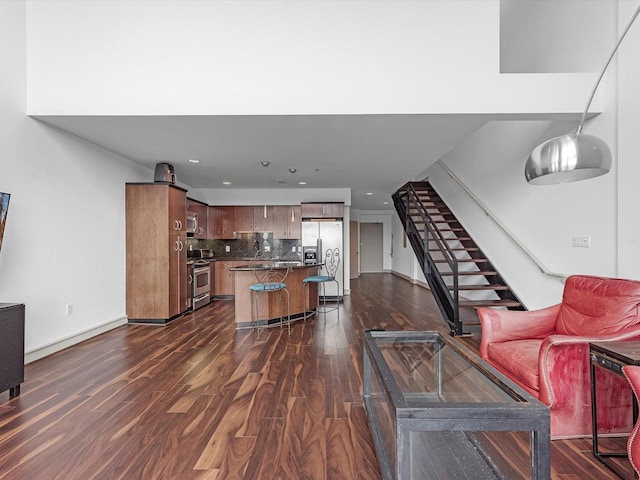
{"points": [[606, 65]]}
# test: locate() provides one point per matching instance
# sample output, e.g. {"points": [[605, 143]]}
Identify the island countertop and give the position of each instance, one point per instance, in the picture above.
{"points": [[280, 264]]}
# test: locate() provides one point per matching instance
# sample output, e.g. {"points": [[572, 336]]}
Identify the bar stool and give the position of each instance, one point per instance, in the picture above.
{"points": [[331, 262], [269, 280]]}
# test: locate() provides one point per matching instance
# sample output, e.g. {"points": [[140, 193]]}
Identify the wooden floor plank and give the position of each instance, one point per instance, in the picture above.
{"points": [[199, 400]]}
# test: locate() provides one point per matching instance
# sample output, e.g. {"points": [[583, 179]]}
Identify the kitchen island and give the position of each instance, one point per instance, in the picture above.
{"points": [[269, 304]]}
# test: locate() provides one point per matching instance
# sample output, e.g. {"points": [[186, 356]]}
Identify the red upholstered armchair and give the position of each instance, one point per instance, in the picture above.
{"points": [[633, 443], [547, 352]]}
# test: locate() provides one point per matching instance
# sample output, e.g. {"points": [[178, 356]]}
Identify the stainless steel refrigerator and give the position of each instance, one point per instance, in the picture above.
{"points": [[326, 235]]}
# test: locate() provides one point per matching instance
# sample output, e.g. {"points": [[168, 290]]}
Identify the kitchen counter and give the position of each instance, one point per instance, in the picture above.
{"points": [[268, 303], [277, 265]]}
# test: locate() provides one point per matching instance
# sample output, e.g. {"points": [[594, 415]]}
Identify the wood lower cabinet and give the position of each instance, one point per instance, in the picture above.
{"points": [[11, 348], [225, 279], [157, 274]]}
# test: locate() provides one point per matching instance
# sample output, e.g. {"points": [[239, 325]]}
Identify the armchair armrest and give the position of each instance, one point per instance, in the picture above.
{"points": [[560, 354], [505, 325]]}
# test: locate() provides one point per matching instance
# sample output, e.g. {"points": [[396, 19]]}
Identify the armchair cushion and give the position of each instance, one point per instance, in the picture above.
{"points": [[597, 306], [520, 359]]}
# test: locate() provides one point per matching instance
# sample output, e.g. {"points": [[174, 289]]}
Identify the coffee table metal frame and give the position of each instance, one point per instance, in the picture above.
{"points": [[417, 412]]}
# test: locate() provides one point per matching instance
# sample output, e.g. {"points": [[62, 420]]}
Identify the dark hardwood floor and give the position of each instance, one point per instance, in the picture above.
{"points": [[199, 400]]}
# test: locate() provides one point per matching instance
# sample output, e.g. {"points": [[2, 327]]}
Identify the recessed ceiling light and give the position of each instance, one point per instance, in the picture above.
{"points": [[385, 203], [293, 170], [369, 193], [193, 160], [226, 183], [265, 163], [302, 183]]}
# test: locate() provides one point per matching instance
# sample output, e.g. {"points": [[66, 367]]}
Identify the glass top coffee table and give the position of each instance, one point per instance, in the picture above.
{"points": [[436, 410]]}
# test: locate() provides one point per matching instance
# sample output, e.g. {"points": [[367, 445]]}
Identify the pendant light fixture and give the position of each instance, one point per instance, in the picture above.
{"points": [[575, 156], [265, 164]]}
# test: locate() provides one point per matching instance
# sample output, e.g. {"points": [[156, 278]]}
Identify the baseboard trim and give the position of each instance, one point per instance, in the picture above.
{"points": [[53, 347], [413, 281]]}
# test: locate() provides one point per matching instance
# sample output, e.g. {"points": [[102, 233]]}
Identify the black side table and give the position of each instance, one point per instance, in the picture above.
{"points": [[611, 356], [11, 347]]}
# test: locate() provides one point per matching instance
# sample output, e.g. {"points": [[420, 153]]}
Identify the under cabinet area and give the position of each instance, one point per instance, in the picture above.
{"points": [[11, 348]]}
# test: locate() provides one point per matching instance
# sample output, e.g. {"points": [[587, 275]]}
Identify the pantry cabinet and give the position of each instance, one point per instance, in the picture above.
{"points": [[157, 275]]}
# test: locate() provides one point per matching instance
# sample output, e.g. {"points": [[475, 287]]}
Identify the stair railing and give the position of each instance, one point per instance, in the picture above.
{"points": [[497, 221], [447, 299]]}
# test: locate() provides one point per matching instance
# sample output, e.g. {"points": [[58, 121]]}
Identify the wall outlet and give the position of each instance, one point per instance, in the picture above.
{"points": [[227, 248], [68, 308], [581, 241]]}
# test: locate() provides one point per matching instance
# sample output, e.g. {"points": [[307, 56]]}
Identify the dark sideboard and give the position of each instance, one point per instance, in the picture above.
{"points": [[11, 347]]}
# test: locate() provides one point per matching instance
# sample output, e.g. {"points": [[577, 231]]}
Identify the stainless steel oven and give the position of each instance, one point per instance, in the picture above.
{"points": [[201, 284]]}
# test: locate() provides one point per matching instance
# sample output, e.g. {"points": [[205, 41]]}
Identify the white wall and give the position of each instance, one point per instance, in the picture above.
{"points": [[628, 165], [404, 260], [144, 57], [531, 29], [64, 240]]}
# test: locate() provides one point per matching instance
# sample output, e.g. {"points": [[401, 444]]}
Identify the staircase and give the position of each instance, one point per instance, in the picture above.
{"points": [[455, 268]]}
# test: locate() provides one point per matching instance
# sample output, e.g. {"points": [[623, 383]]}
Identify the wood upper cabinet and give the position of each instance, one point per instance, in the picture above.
{"points": [[243, 219], [322, 210], [220, 222], [260, 222], [201, 210], [157, 275], [287, 222]]}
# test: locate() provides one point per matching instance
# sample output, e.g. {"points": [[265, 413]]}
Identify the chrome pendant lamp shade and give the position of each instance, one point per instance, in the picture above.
{"points": [[568, 158], [575, 156]]}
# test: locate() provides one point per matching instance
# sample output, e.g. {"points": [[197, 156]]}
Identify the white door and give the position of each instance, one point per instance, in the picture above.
{"points": [[370, 247]]}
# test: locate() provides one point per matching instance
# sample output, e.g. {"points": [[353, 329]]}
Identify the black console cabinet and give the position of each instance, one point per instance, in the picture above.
{"points": [[11, 347]]}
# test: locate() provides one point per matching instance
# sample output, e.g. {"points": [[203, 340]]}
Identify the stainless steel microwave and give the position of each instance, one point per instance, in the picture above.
{"points": [[192, 222]]}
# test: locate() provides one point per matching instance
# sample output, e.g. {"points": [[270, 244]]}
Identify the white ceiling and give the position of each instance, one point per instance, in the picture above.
{"points": [[367, 153]]}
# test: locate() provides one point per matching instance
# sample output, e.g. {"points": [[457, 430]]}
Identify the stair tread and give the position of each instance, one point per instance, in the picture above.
{"points": [[482, 287], [462, 260], [489, 303], [467, 274]]}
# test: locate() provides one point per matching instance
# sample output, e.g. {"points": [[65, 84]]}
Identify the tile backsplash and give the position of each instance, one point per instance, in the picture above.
{"points": [[247, 244]]}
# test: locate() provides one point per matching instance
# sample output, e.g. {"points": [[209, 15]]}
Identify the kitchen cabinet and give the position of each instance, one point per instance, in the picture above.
{"points": [[322, 210], [243, 219], [12, 348], [201, 210], [287, 222], [157, 275], [252, 219], [225, 280], [260, 222], [220, 222]]}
